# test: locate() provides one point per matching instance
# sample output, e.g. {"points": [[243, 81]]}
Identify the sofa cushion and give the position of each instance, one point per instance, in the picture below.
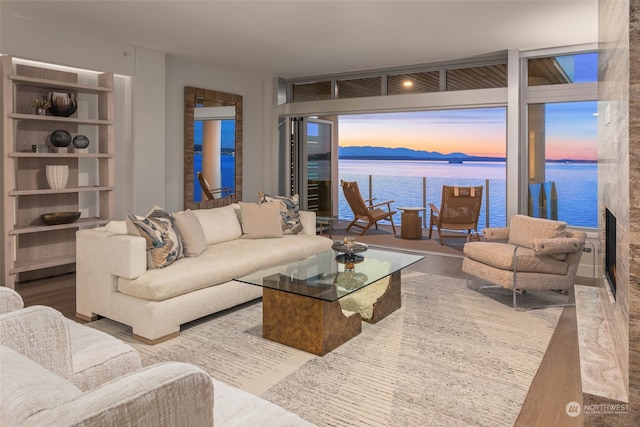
{"points": [[523, 230], [164, 244], [219, 224], [191, 232], [260, 221], [221, 263], [289, 211], [29, 388], [500, 255]]}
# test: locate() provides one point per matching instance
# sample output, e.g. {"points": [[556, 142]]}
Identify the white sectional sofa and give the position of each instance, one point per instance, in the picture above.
{"points": [[113, 279]]}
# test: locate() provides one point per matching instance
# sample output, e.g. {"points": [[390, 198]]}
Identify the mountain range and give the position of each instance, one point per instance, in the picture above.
{"points": [[386, 153]]}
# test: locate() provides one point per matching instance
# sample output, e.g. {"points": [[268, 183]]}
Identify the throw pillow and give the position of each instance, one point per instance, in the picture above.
{"points": [[164, 244], [191, 232], [289, 211], [219, 224], [260, 220]]}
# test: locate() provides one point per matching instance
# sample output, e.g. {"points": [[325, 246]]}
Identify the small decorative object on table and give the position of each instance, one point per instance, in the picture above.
{"points": [[349, 248], [57, 218], [41, 105], [57, 176]]}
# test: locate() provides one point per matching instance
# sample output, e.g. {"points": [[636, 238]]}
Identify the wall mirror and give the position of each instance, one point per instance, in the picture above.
{"points": [[212, 148]]}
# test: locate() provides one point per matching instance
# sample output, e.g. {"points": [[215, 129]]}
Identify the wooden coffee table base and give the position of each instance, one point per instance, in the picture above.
{"points": [[305, 323]]}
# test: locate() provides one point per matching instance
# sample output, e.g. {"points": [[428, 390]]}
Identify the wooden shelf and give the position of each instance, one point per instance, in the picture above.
{"points": [[58, 119], [61, 191], [34, 250], [52, 84], [38, 264], [29, 154], [82, 222]]}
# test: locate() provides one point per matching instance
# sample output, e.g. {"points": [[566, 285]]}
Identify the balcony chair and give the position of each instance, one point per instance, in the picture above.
{"points": [[530, 254], [364, 210], [214, 193], [459, 211]]}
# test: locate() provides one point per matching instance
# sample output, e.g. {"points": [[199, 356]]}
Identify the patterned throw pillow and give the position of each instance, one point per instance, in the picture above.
{"points": [[164, 244], [289, 211]]}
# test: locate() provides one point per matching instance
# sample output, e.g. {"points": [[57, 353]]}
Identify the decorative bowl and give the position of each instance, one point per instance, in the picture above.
{"points": [[57, 218]]}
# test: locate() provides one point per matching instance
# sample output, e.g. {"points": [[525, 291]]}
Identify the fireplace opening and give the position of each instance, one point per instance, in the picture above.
{"points": [[610, 250]]}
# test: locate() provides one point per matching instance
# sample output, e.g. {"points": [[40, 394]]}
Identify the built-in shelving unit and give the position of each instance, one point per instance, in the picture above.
{"points": [[31, 248]]}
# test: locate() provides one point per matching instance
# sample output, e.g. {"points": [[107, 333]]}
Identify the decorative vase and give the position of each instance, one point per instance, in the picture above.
{"points": [[41, 111], [80, 141], [60, 138], [57, 176], [62, 104]]}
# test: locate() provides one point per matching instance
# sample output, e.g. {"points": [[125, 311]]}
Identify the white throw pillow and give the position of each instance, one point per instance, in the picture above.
{"points": [[260, 220], [191, 232], [219, 224]]}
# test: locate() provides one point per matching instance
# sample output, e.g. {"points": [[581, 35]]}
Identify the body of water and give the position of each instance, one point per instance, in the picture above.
{"points": [[228, 170], [401, 181]]}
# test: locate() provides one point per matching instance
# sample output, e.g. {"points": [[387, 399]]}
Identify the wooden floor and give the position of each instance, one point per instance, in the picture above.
{"points": [[556, 383]]}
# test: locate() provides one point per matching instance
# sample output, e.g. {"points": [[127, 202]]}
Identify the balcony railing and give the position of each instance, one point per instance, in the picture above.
{"points": [[420, 191]]}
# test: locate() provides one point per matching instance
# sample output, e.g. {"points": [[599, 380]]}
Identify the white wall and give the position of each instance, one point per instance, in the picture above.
{"points": [[150, 109]]}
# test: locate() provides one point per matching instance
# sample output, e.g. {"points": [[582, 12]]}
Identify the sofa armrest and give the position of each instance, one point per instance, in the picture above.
{"points": [[10, 300], [558, 245], [166, 394], [496, 233], [41, 334], [308, 221]]}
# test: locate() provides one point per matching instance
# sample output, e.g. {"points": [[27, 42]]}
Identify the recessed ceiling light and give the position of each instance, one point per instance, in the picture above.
{"points": [[407, 83]]}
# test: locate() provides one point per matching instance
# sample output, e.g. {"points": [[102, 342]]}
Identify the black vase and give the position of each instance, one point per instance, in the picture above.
{"points": [[62, 104], [80, 141], [60, 138]]}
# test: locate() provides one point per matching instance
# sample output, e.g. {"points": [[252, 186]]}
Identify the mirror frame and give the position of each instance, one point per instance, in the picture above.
{"points": [[190, 96]]}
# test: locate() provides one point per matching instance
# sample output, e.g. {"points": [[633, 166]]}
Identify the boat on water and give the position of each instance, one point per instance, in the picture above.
{"points": [[457, 162]]}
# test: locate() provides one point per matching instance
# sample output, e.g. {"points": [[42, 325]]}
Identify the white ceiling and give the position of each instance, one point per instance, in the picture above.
{"points": [[304, 38]]}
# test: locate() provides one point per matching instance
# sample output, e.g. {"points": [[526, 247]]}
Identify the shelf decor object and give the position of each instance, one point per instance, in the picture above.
{"points": [[41, 105], [60, 139], [57, 176], [57, 218], [63, 104], [81, 142]]}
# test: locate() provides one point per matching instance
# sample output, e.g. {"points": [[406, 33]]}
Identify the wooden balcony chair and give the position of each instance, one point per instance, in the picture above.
{"points": [[364, 210], [214, 193], [459, 211]]}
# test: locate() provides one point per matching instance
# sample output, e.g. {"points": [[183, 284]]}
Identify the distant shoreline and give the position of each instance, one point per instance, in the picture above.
{"points": [[449, 159]]}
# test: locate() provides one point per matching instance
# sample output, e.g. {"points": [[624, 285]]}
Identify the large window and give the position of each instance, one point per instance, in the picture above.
{"points": [[562, 138]]}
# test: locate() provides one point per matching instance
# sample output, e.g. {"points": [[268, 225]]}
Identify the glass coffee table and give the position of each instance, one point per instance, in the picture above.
{"points": [[301, 299]]}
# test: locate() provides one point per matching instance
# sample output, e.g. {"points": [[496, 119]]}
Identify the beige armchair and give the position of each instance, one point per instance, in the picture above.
{"points": [[530, 254]]}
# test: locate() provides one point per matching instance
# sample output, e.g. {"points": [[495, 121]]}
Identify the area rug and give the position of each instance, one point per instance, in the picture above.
{"points": [[450, 356]]}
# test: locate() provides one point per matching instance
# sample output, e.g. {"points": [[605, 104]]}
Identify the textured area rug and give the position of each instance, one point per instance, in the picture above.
{"points": [[450, 356]]}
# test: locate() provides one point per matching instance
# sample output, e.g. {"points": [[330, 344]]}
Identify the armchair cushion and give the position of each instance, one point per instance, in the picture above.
{"points": [[496, 233], [41, 334], [557, 246], [523, 230], [28, 388], [500, 255]]}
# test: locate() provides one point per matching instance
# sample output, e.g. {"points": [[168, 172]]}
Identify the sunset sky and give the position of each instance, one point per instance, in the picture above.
{"points": [[570, 131]]}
